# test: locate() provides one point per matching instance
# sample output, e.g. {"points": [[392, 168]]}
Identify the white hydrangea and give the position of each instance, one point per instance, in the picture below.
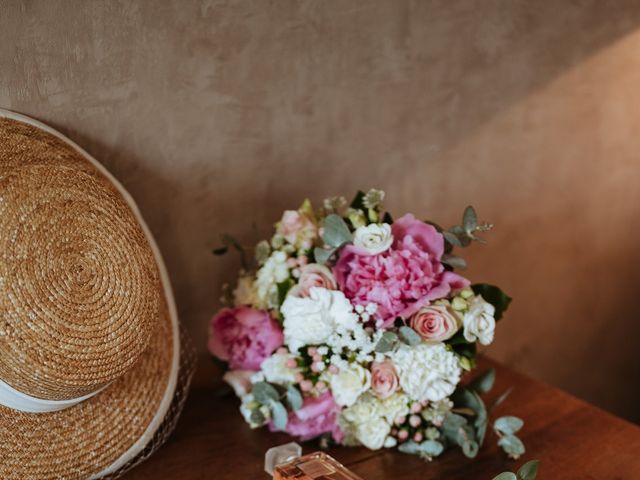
{"points": [[426, 371], [349, 383], [364, 422], [274, 271], [394, 406], [275, 368], [374, 238], [479, 322], [319, 318]]}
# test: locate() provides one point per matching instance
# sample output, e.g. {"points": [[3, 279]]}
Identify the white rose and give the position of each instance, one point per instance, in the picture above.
{"points": [[365, 422], [479, 322], [312, 320], [373, 238], [349, 383], [427, 371], [275, 368]]}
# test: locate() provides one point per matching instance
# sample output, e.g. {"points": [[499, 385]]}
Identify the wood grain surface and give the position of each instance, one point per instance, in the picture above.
{"points": [[571, 438]]}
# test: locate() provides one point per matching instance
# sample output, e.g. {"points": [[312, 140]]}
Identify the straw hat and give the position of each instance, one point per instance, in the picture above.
{"points": [[90, 356]]}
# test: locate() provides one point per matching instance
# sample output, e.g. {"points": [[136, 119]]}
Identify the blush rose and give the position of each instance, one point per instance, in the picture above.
{"points": [[434, 323], [384, 379]]}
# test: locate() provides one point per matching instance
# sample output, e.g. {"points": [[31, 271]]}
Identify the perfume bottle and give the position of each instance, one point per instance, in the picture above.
{"points": [[286, 462]]}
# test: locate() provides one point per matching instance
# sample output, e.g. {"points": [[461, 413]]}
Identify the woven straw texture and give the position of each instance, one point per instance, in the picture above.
{"points": [[79, 287], [81, 305]]}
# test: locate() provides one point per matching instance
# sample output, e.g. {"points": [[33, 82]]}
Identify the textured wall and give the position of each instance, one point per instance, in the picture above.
{"points": [[217, 115]]}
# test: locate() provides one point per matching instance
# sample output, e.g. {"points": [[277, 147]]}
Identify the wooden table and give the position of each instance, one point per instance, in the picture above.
{"points": [[571, 438]]}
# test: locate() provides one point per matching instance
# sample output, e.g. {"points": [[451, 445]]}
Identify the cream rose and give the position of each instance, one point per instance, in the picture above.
{"points": [[384, 380], [313, 275], [479, 322], [374, 238], [349, 383], [434, 323]]}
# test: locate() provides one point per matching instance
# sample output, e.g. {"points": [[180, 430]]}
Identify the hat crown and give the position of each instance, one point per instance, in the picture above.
{"points": [[79, 286]]}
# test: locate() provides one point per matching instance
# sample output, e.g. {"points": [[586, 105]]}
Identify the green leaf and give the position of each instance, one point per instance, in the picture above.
{"points": [[469, 219], [465, 397], [410, 447], [279, 415], [529, 471], [409, 336], [433, 448], [508, 425], [506, 476], [358, 200], [512, 445], [387, 218], [501, 398], [470, 449], [256, 417], [220, 251], [453, 261], [264, 393], [452, 239], [483, 383], [294, 398], [322, 255], [452, 425], [336, 232], [494, 296], [387, 342], [283, 289]]}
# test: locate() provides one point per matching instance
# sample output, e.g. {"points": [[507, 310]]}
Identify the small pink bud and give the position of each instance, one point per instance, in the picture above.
{"points": [[317, 357], [416, 408], [403, 434], [306, 385], [333, 369], [302, 260], [299, 377], [312, 351], [418, 437], [314, 367], [400, 419], [415, 421], [394, 432], [292, 263], [282, 351], [424, 403], [321, 386], [291, 363]]}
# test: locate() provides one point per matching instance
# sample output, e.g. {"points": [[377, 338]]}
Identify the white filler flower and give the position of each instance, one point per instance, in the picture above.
{"points": [[275, 368], [374, 238], [312, 320], [274, 271], [479, 322], [426, 371], [349, 383]]}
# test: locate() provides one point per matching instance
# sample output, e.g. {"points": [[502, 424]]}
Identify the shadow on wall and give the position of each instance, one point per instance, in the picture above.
{"points": [[218, 115]]}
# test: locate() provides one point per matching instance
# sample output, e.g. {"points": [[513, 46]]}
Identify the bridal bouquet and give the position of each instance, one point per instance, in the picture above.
{"points": [[357, 328]]}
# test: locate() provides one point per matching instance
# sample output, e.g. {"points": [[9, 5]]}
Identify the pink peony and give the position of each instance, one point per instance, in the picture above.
{"points": [[434, 323], [244, 337], [313, 275], [402, 279], [384, 380], [318, 415]]}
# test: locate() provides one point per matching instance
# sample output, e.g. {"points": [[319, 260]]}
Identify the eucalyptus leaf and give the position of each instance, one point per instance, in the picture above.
{"points": [[283, 289], [410, 447], [265, 393], [483, 383], [495, 296], [321, 255], [279, 415], [336, 232], [508, 425], [256, 417], [294, 398], [409, 336], [512, 445], [506, 476], [452, 239], [470, 449], [220, 251], [453, 261], [433, 448], [501, 398], [358, 200], [529, 471], [469, 219], [387, 342]]}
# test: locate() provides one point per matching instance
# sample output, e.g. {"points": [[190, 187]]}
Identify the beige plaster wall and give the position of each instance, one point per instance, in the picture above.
{"points": [[217, 115]]}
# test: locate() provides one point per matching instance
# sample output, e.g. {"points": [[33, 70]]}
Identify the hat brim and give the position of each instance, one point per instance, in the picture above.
{"points": [[108, 431]]}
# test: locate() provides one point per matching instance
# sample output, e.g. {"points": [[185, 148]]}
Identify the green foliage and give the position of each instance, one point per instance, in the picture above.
{"points": [[265, 393], [506, 476], [512, 446], [230, 242], [483, 383], [427, 449], [387, 342], [256, 417], [495, 296], [508, 425], [409, 336], [279, 414], [321, 255], [453, 261], [336, 232], [358, 201], [528, 471], [463, 235], [294, 398], [283, 289]]}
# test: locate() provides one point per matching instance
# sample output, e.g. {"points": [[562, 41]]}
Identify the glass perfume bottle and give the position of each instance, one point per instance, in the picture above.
{"points": [[286, 462]]}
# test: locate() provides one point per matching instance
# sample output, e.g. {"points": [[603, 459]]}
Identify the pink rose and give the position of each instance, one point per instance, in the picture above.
{"points": [[384, 380], [318, 415], [296, 227], [239, 380], [402, 279], [313, 275], [244, 337], [434, 323]]}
